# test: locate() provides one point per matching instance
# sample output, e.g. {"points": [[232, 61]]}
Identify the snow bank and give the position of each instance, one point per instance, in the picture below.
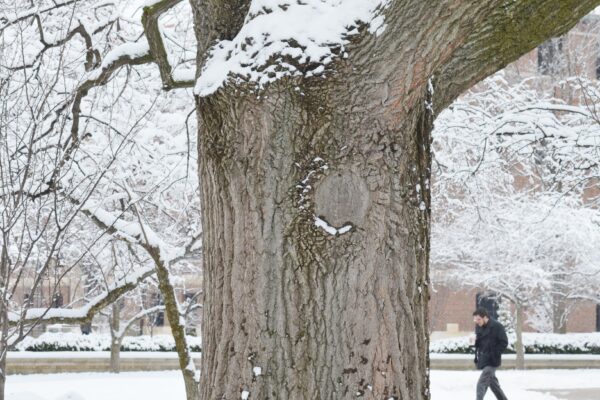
{"points": [[281, 38], [535, 343]]}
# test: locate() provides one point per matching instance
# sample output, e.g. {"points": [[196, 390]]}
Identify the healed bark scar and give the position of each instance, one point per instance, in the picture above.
{"points": [[341, 198]]}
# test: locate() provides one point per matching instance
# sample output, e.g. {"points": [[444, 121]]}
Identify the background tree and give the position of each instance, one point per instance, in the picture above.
{"points": [[130, 308], [521, 252], [81, 159], [533, 138], [514, 165]]}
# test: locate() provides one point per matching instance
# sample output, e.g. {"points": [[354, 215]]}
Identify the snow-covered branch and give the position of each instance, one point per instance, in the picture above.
{"points": [[84, 313]]}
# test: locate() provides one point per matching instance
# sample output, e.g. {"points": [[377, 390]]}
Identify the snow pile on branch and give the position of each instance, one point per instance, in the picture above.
{"points": [[288, 38], [45, 313], [48, 313], [135, 232], [125, 51]]}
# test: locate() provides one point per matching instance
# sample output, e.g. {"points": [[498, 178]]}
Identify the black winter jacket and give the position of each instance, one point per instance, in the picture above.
{"points": [[490, 344]]}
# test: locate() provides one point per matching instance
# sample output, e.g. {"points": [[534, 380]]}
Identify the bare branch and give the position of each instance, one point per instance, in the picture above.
{"points": [[150, 19], [36, 12], [500, 34]]}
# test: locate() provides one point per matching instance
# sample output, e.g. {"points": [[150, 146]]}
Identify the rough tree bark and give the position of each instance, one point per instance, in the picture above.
{"points": [[4, 325], [115, 339], [291, 311], [519, 347]]}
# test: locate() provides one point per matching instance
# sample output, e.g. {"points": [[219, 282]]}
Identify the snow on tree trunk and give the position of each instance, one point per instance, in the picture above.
{"points": [[315, 189], [559, 305], [559, 324]]}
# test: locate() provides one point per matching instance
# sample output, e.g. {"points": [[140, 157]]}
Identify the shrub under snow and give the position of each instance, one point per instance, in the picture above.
{"points": [[101, 342], [535, 343]]}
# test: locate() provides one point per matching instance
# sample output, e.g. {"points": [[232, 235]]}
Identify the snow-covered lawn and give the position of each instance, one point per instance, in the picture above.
{"points": [[163, 385], [167, 385]]}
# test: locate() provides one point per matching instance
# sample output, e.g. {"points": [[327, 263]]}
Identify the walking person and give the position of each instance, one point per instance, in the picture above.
{"points": [[490, 343]]}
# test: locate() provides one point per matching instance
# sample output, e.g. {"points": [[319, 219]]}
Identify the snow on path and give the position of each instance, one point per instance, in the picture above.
{"points": [[168, 385]]}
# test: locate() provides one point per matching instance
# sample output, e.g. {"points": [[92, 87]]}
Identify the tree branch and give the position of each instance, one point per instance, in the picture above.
{"points": [[501, 33], [83, 314], [92, 55], [174, 314], [150, 19], [121, 333]]}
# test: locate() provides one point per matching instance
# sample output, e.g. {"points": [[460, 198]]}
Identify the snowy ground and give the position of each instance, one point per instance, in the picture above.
{"points": [[167, 385], [520, 385]]}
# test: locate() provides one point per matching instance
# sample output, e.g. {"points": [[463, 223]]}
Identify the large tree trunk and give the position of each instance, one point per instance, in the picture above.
{"points": [[315, 202], [324, 316]]}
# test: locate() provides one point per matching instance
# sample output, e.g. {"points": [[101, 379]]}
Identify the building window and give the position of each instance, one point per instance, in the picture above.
{"points": [[598, 318], [489, 302], [598, 67], [550, 55]]}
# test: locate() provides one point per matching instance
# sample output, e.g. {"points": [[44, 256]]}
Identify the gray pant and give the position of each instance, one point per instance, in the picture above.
{"points": [[488, 379]]}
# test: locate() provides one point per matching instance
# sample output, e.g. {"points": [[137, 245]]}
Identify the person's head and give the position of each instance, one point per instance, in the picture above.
{"points": [[481, 317]]}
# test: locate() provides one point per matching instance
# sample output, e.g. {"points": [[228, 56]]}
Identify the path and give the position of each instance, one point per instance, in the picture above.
{"points": [[575, 394]]}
